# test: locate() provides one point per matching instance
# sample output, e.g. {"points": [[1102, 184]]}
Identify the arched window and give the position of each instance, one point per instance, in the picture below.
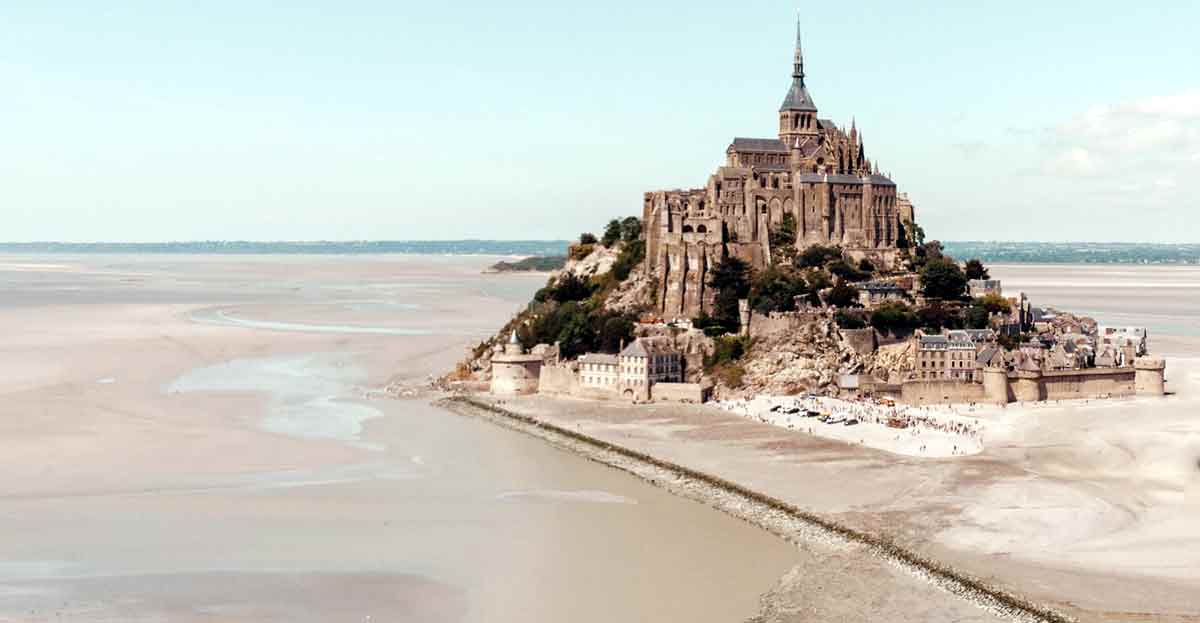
{"points": [[687, 229], [701, 229]]}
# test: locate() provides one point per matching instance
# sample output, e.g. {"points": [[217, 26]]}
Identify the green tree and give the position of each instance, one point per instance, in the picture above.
{"points": [[727, 349], [818, 280], [941, 278], [815, 256], [614, 329], [977, 317], [994, 303], [776, 289], [581, 251], [843, 295], [576, 336], [571, 287], [918, 235], [630, 256], [631, 228], [866, 266], [612, 233], [848, 320], [730, 279], [976, 270], [709, 325], [783, 239], [891, 317], [937, 316], [843, 269], [586, 238]]}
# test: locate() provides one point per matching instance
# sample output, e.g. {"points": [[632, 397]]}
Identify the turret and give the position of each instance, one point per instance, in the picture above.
{"points": [[798, 115]]}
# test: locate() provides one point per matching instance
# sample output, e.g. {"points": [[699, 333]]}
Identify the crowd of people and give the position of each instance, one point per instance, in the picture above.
{"points": [[797, 413]]}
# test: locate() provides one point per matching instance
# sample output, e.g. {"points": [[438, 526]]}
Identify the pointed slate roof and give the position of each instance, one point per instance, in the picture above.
{"points": [[648, 347], [798, 98]]}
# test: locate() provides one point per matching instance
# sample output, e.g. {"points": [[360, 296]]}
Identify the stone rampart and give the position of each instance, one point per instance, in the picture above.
{"points": [[691, 393], [1089, 383], [780, 322], [940, 392], [863, 341], [563, 380], [1000, 387]]}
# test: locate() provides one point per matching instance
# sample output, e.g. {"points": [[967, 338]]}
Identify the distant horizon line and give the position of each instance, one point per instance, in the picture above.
{"points": [[499, 240]]}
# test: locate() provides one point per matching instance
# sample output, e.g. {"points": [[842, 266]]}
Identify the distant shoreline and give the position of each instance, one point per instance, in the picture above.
{"points": [[1054, 253]]}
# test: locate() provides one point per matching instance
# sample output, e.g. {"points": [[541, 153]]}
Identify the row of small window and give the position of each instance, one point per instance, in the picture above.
{"points": [[942, 364], [954, 374]]}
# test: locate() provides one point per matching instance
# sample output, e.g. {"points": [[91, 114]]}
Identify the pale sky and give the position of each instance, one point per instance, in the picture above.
{"points": [[155, 121]]}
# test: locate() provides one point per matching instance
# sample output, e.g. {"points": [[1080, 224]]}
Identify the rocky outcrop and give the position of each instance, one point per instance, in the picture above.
{"points": [[807, 359]]}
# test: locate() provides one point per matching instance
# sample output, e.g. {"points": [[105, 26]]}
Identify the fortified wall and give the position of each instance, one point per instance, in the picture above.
{"points": [[1145, 378]]}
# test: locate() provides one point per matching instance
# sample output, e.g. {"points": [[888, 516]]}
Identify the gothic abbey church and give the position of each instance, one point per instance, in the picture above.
{"points": [[814, 171]]}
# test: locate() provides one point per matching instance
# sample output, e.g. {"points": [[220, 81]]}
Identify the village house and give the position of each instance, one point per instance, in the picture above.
{"points": [[600, 371], [1118, 337], [945, 357], [955, 355], [874, 293], [646, 361], [984, 287]]}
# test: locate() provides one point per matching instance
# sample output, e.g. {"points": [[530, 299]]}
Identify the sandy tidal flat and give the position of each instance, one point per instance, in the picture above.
{"points": [[202, 438]]}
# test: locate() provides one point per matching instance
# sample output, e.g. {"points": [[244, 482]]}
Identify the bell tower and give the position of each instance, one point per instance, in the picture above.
{"points": [[798, 115]]}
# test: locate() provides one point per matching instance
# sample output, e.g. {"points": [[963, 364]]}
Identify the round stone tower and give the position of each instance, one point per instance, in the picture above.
{"points": [[515, 372], [1028, 387], [1149, 376], [995, 385]]}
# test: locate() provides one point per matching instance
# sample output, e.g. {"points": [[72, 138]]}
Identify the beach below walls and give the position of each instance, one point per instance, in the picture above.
{"points": [[1068, 509]]}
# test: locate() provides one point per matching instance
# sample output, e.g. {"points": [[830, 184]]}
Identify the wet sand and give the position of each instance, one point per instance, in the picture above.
{"points": [[160, 463]]}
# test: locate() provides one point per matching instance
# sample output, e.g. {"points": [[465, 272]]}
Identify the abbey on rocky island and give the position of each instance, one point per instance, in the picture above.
{"points": [[814, 171]]}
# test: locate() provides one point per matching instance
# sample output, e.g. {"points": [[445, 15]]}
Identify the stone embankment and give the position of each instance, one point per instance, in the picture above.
{"points": [[789, 522]]}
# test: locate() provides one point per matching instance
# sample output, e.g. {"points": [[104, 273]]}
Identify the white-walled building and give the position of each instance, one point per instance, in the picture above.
{"points": [[647, 361], [599, 371]]}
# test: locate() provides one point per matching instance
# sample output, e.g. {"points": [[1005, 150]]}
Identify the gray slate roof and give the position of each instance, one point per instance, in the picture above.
{"points": [[798, 98], [880, 286], [649, 347], [770, 145], [599, 358], [837, 178]]}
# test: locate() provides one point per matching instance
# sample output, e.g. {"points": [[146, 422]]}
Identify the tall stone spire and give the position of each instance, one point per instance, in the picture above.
{"points": [[798, 66], [798, 98]]}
